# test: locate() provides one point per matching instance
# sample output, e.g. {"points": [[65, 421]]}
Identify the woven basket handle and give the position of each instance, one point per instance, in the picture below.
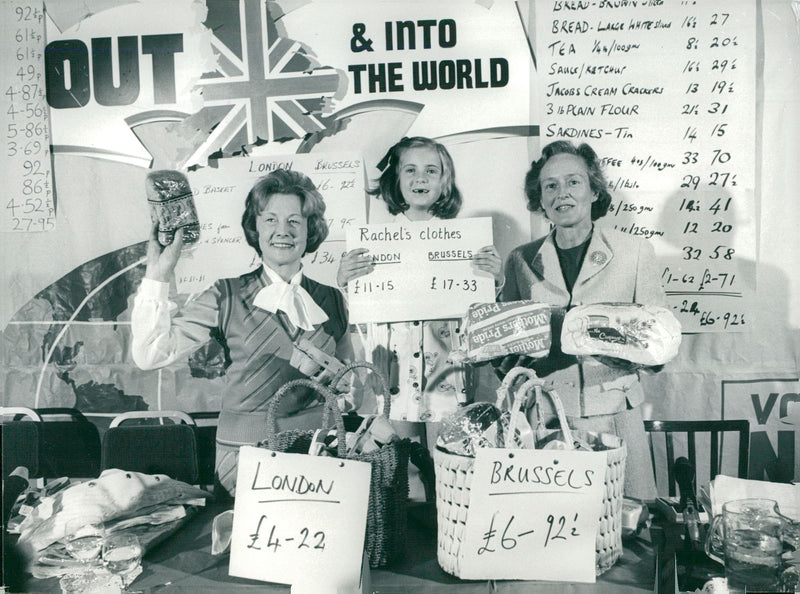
{"points": [[331, 408], [504, 399], [517, 406], [387, 401], [535, 384]]}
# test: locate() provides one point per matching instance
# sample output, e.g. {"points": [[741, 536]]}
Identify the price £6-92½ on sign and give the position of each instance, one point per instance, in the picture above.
{"points": [[533, 515]]}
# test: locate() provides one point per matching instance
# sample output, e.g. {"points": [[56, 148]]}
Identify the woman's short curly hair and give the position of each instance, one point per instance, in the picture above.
{"points": [[388, 189], [285, 181], [597, 180]]}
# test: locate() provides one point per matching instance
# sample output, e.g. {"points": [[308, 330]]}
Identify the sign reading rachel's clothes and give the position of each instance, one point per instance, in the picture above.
{"points": [[423, 270]]}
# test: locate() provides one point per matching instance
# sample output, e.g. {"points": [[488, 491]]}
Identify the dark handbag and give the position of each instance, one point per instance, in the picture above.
{"points": [[387, 519], [298, 441]]}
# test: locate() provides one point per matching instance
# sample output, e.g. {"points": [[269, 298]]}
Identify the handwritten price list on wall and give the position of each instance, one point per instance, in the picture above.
{"points": [[664, 91], [28, 203]]}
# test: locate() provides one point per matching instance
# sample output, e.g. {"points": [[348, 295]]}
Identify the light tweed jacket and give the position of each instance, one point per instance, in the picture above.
{"points": [[618, 268]]}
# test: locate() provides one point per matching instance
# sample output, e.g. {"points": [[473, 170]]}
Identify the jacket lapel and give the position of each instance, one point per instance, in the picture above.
{"points": [[251, 284], [546, 266], [597, 258]]}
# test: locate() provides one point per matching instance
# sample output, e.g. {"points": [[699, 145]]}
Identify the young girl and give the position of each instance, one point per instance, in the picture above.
{"points": [[418, 184]]}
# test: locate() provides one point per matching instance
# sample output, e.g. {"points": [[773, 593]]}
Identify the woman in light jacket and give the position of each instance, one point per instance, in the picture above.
{"points": [[580, 263]]}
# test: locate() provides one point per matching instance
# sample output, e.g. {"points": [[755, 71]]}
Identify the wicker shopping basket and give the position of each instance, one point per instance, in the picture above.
{"points": [[454, 475], [386, 517]]}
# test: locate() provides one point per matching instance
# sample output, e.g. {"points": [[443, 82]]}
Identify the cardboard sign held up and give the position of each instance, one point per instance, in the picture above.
{"points": [[299, 518], [533, 515], [423, 269]]}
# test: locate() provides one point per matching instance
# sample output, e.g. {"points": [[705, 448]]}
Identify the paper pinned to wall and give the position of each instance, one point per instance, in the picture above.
{"points": [[29, 203], [220, 194], [665, 93]]}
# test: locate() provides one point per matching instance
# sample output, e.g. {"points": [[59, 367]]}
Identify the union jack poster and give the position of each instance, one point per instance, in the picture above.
{"points": [[265, 88]]}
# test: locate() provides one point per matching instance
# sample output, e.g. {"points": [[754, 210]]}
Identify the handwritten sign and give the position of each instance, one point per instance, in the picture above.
{"points": [[296, 516], [220, 194], [423, 270], [29, 203], [665, 94], [533, 515]]}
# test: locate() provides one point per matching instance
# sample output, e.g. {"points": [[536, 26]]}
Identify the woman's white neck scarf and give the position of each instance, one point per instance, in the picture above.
{"points": [[291, 299]]}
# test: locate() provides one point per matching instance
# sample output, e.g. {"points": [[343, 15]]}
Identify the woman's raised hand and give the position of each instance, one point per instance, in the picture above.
{"points": [[488, 260], [354, 264], [161, 260]]}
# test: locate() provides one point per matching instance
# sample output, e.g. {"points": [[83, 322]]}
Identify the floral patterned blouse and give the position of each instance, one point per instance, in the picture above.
{"points": [[424, 383], [415, 358]]}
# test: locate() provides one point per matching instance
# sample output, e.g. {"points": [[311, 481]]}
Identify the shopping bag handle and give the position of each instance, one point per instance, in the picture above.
{"points": [[504, 398], [387, 400], [331, 408], [536, 385]]}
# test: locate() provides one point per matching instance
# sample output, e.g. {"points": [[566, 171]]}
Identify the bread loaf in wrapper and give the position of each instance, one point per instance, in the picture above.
{"points": [[494, 330], [642, 334], [172, 206]]}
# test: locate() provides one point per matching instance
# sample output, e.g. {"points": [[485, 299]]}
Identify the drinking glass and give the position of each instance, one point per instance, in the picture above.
{"points": [[83, 538], [122, 554], [748, 534]]}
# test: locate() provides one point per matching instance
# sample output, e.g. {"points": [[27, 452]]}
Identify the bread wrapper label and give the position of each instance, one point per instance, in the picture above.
{"points": [[642, 334], [513, 328], [172, 206]]}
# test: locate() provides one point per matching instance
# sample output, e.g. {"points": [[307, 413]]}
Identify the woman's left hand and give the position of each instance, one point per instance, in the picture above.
{"points": [[488, 260]]}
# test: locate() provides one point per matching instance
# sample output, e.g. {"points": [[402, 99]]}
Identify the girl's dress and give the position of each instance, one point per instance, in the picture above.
{"points": [[425, 385]]}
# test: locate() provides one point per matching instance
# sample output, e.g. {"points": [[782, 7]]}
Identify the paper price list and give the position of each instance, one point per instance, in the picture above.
{"points": [[713, 224], [28, 204], [664, 91]]}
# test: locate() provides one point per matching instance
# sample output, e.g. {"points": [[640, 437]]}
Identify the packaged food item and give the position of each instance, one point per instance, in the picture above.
{"points": [[494, 330], [641, 334], [172, 206], [477, 425]]}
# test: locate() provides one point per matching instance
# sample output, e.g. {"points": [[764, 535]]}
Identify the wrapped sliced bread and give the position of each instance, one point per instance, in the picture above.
{"points": [[641, 334], [494, 330]]}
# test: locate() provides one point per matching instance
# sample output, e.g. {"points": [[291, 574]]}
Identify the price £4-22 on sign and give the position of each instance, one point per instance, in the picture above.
{"points": [[299, 519], [28, 203], [533, 515]]}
